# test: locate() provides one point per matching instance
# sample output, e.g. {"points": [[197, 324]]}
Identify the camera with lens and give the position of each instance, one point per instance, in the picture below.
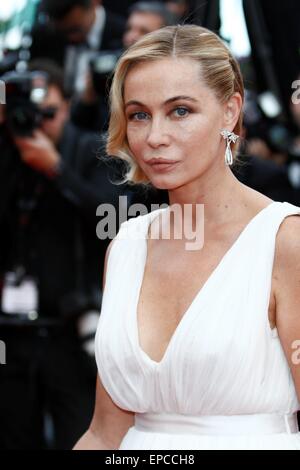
{"points": [[25, 91], [102, 66]]}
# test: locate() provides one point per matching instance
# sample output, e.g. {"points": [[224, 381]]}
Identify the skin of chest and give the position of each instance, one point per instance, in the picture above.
{"points": [[172, 279]]}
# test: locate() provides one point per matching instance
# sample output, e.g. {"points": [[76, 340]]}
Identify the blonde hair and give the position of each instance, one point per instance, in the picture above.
{"points": [[219, 70]]}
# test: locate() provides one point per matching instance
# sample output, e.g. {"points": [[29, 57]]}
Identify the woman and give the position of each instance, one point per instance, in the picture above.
{"points": [[196, 349]]}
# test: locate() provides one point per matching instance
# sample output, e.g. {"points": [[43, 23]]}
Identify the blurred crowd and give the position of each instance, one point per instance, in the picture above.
{"points": [[53, 175]]}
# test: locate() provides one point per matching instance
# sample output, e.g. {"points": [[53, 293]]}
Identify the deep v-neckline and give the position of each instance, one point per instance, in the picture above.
{"points": [[200, 292]]}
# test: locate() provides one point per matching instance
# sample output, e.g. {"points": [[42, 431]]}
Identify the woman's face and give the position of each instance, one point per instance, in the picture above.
{"points": [[172, 115]]}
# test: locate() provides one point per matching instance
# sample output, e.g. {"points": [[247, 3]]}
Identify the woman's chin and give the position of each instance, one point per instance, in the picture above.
{"points": [[164, 184]]}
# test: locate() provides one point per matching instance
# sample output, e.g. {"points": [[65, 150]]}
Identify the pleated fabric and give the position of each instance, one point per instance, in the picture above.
{"points": [[223, 358]]}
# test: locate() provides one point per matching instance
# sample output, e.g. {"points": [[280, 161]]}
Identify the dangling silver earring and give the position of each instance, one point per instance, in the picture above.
{"points": [[229, 137]]}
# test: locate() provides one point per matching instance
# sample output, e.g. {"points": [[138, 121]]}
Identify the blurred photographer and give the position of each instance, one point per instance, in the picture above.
{"points": [[145, 17], [274, 139], [51, 262], [70, 32], [90, 108], [263, 153]]}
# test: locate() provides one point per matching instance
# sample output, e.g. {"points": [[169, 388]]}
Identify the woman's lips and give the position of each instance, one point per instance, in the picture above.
{"points": [[160, 166]]}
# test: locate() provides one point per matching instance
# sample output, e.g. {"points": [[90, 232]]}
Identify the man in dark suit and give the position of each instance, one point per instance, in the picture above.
{"points": [[90, 109], [75, 22], [49, 191]]}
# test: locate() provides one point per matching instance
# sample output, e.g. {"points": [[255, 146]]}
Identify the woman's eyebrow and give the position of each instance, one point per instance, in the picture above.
{"points": [[170, 100]]}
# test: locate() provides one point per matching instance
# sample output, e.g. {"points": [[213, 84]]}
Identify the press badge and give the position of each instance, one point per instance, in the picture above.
{"points": [[19, 296]]}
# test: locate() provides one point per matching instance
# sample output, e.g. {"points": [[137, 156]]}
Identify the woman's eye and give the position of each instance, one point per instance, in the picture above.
{"points": [[141, 115], [181, 112], [138, 116]]}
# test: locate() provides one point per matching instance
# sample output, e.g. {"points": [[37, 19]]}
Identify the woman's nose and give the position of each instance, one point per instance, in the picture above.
{"points": [[158, 133]]}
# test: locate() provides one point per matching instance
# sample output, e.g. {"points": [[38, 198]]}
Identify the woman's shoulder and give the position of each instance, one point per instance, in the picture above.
{"points": [[287, 241], [255, 201], [288, 235], [286, 267], [286, 215]]}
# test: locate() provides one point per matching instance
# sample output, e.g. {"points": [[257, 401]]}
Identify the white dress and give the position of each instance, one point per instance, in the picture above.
{"points": [[224, 381]]}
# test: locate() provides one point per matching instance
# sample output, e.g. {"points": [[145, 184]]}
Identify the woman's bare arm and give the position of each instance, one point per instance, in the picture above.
{"points": [[287, 293], [108, 426], [109, 423]]}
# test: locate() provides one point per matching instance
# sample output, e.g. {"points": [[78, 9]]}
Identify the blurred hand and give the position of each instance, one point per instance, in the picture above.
{"points": [[39, 153]]}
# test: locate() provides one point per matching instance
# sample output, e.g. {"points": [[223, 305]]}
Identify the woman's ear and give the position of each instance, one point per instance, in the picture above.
{"points": [[232, 109]]}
